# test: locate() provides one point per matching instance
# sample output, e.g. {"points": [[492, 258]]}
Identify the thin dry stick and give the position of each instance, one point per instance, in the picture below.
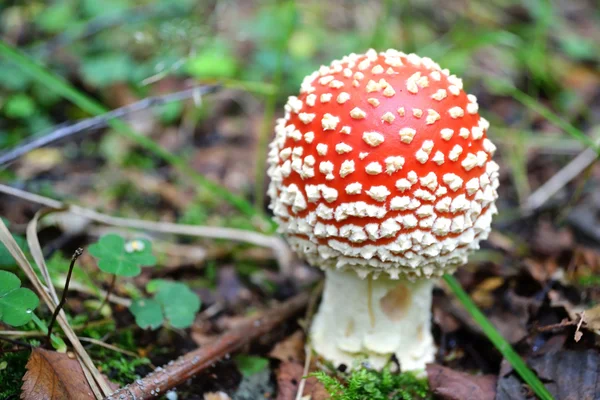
{"points": [[98, 383], [37, 253], [184, 368], [108, 346], [101, 121], [307, 358], [560, 179], [275, 243], [308, 317], [100, 294], [63, 299]]}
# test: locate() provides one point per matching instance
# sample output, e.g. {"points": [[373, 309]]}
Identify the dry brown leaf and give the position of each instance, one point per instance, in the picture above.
{"points": [[289, 376], [290, 349], [591, 318], [54, 376], [454, 385]]}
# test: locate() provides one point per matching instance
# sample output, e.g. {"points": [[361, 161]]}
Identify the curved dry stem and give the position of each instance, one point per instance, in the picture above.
{"points": [[276, 244]]}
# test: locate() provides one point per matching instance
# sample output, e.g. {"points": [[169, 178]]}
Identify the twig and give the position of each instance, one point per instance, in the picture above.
{"points": [[307, 358], [101, 121], [308, 317], [275, 243], [97, 381], [14, 342], [43, 333], [108, 346], [569, 172], [63, 299], [177, 372], [35, 249], [100, 293]]}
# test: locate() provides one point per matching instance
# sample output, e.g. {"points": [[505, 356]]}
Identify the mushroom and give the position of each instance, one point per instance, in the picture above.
{"points": [[381, 175]]}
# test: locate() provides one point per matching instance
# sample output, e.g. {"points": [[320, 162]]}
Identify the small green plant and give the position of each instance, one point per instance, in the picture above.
{"points": [[368, 384], [123, 370], [16, 303], [173, 302], [121, 258], [6, 259], [250, 365]]}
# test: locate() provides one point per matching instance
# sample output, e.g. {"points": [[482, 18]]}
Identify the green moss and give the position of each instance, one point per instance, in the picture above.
{"points": [[124, 370], [12, 370], [367, 384]]}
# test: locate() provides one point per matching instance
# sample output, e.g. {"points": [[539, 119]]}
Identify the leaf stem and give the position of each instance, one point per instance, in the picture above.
{"points": [[111, 287], [63, 298]]}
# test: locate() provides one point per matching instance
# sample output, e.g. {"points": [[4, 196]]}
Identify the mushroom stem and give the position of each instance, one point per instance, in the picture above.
{"points": [[374, 319]]}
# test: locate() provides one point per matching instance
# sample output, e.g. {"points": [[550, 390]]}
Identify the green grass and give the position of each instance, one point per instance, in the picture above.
{"points": [[498, 341], [269, 113], [500, 87], [64, 89]]}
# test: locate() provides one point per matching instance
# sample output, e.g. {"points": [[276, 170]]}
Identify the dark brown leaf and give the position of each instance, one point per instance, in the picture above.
{"points": [[54, 376], [571, 375], [455, 385]]}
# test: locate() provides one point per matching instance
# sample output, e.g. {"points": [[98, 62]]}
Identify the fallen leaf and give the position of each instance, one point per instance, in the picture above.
{"points": [[591, 318], [483, 293], [290, 349], [53, 376], [289, 376], [569, 375], [455, 385]]}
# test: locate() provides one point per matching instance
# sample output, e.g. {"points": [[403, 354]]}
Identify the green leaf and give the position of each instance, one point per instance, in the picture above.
{"points": [[179, 303], [104, 70], [212, 62], [122, 258], [56, 18], [147, 313], [16, 303], [19, 106], [6, 259], [250, 365], [91, 106]]}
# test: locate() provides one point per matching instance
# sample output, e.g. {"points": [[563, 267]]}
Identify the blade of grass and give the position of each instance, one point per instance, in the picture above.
{"points": [[89, 105], [505, 88], [269, 114], [497, 340]]}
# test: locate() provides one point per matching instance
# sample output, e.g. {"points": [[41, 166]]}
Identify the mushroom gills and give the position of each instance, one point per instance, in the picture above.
{"points": [[372, 319]]}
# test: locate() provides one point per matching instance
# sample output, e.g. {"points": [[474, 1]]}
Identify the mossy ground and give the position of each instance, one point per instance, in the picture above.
{"points": [[368, 384]]}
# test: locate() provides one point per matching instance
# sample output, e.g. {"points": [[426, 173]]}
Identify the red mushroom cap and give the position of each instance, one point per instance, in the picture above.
{"points": [[382, 164]]}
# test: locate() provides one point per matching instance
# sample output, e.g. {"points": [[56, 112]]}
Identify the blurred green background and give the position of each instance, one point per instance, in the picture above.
{"points": [[535, 52]]}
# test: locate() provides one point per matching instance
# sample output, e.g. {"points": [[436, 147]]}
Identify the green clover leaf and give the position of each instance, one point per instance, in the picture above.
{"points": [[147, 313], [16, 303], [172, 301], [179, 303], [115, 256]]}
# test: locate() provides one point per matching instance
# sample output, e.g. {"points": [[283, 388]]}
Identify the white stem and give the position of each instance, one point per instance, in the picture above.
{"points": [[374, 319]]}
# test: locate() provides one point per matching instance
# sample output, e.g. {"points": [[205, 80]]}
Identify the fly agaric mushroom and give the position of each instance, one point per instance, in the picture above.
{"points": [[381, 174]]}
